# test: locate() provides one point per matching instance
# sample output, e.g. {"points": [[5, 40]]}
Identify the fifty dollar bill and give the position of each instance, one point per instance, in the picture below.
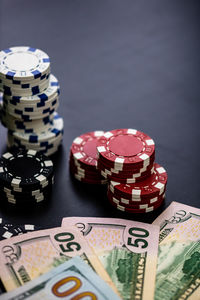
{"points": [[178, 270], [127, 250], [25, 257]]}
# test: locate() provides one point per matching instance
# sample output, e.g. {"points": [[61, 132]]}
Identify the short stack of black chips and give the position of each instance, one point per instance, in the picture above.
{"points": [[26, 177]]}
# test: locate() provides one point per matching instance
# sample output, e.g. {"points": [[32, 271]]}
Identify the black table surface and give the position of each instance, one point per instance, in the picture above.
{"points": [[120, 64]]}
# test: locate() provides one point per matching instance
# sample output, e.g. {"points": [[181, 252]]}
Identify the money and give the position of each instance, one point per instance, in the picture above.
{"points": [[25, 257], [73, 279], [127, 250], [178, 269]]}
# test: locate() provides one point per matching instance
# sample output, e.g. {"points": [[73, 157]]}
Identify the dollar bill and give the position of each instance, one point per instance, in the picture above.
{"points": [[25, 257], [127, 250], [73, 279], [178, 269]]}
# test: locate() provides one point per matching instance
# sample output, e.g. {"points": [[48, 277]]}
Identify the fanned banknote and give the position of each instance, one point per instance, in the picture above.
{"points": [[25, 257], [127, 250], [178, 270], [73, 279]]}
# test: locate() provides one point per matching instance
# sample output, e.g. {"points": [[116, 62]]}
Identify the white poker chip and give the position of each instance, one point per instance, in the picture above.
{"points": [[21, 91], [15, 124], [52, 132], [52, 91], [51, 143], [20, 83], [23, 63], [30, 111]]}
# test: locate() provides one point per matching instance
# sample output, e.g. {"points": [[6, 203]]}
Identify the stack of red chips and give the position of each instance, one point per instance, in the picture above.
{"points": [[123, 158]]}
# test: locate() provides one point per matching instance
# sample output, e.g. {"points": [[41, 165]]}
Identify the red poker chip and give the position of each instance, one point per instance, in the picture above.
{"points": [[128, 168], [141, 200], [135, 205], [151, 187], [93, 171], [89, 181], [125, 147], [127, 180], [83, 148], [123, 173], [125, 176], [82, 165], [131, 210], [86, 175]]}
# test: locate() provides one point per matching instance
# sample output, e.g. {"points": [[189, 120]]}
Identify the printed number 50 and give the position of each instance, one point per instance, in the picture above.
{"points": [[67, 237], [140, 234]]}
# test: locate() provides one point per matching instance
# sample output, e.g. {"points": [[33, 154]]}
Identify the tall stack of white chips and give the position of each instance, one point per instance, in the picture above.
{"points": [[30, 97]]}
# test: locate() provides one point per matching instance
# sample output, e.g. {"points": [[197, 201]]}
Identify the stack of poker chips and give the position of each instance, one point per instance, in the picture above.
{"points": [[136, 184], [124, 159], [26, 177], [30, 99], [83, 158]]}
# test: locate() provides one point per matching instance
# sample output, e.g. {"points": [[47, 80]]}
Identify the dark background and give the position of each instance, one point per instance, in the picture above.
{"points": [[121, 64]]}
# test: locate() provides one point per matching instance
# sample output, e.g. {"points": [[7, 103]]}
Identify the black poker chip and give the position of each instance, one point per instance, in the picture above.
{"points": [[5, 229], [27, 170], [10, 191], [9, 230], [25, 200], [21, 229]]}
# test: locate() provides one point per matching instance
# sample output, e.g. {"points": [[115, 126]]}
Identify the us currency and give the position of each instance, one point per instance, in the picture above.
{"points": [[178, 270], [127, 250], [73, 279], [25, 257]]}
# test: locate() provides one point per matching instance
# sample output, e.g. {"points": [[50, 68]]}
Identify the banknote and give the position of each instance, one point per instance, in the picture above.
{"points": [[127, 250], [73, 279], [178, 269], [27, 256]]}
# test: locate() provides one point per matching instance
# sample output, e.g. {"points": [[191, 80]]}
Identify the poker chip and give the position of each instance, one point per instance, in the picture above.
{"points": [[22, 83], [29, 100], [87, 175], [132, 178], [26, 89], [25, 200], [146, 209], [135, 207], [31, 111], [151, 187], [23, 63], [28, 116], [83, 158], [38, 125], [21, 229], [124, 173], [55, 130], [25, 170], [83, 148], [122, 148], [89, 181], [9, 230], [19, 193], [135, 203], [5, 229], [24, 71]]}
